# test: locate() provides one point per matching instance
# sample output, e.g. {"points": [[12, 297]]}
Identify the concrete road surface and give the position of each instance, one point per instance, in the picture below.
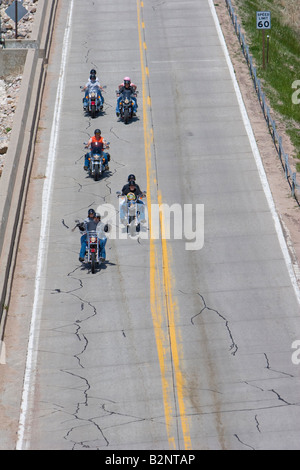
{"points": [[183, 338]]}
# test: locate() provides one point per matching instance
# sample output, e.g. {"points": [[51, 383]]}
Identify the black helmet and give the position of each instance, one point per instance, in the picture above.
{"points": [[93, 72], [97, 131], [131, 177], [132, 183], [98, 215], [91, 213], [92, 76]]}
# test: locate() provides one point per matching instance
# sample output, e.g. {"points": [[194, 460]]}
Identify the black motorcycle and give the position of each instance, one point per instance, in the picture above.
{"points": [[93, 250], [126, 105], [97, 161]]}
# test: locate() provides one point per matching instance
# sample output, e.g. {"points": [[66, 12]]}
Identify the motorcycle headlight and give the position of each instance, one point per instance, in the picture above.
{"points": [[93, 239], [126, 100]]}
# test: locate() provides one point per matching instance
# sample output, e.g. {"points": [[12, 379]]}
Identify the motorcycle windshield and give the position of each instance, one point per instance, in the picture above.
{"points": [[97, 148], [126, 94]]}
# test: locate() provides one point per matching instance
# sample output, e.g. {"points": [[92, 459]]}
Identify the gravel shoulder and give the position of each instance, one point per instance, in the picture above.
{"points": [[10, 85]]}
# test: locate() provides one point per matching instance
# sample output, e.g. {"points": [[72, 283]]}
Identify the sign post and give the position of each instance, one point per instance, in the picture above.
{"points": [[263, 22], [16, 11]]}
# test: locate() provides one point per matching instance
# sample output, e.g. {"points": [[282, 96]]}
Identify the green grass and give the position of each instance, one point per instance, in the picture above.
{"points": [[283, 68]]}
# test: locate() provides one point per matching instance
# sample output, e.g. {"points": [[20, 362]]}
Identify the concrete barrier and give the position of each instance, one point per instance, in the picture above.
{"points": [[18, 162]]}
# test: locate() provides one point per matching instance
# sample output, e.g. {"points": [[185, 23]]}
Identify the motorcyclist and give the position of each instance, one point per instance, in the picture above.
{"points": [[127, 85], [93, 85], [132, 192], [94, 143], [131, 177], [86, 226], [101, 230]]}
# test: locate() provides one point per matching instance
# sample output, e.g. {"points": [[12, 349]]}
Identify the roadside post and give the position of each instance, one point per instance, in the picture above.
{"points": [[263, 22], [2, 41]]}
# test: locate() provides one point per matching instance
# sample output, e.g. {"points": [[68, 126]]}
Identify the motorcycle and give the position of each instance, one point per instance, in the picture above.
{"points": [[97, 161], [93, 250], [126, 105], [132, 219], [93, 105]]}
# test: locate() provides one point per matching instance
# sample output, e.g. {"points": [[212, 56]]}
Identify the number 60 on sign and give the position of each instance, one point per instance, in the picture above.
{"points": [[263, 20]]}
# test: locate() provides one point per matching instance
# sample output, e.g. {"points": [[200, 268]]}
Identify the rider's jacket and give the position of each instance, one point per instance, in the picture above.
{"points": [[101, 230], [132, 88], [92, 86], [93, 140], [90, 225], [126, 190], [136, 191]]}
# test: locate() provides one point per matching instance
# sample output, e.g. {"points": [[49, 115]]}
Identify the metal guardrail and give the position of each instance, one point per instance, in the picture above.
{"points": [[277, 139]]}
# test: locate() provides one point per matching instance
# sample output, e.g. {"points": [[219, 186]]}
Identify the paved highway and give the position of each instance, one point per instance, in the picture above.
{"points": [[180, 342]]}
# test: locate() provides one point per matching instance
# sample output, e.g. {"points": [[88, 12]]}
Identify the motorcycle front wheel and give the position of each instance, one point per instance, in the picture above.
{"points": [[93, 262], [126, 116], [93, 111], [97, 174]]}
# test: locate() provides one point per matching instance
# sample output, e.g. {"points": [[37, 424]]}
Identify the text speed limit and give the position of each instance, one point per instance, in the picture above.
{"points": [[263, 20]]}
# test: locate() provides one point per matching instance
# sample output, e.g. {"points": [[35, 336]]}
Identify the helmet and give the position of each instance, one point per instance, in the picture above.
{"points": [[131, 178], [91, 213], [93, 72], [98, 215], [132, 183], [97, 131], [127, 80], [92, 76], [131, 197]]}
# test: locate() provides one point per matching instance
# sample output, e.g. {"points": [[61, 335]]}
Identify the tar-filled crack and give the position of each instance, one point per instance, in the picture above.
{"points": [[119, 138], [233, 347], [274, 370], [133, 418], [243, 443], [63, 222], [257, 423], [280, 398], [84, 343]]}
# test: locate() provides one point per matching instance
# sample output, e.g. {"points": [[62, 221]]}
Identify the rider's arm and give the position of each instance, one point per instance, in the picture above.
{"points": [[89, 143]]}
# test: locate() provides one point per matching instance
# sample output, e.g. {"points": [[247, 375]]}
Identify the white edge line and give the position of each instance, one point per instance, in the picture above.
{"points": [[32, 350], [257, 157]]}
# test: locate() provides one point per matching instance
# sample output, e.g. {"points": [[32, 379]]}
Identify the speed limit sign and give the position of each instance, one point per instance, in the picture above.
{"points": [[263, 20]]}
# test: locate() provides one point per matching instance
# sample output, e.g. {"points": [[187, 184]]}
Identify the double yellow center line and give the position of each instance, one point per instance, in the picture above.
{"points": [[163, 305]]}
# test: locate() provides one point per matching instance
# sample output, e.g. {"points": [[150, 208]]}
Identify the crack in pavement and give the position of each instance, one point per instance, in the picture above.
{"points": [[274, 370], [82, 338], [243, 443], [233, 347]]}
